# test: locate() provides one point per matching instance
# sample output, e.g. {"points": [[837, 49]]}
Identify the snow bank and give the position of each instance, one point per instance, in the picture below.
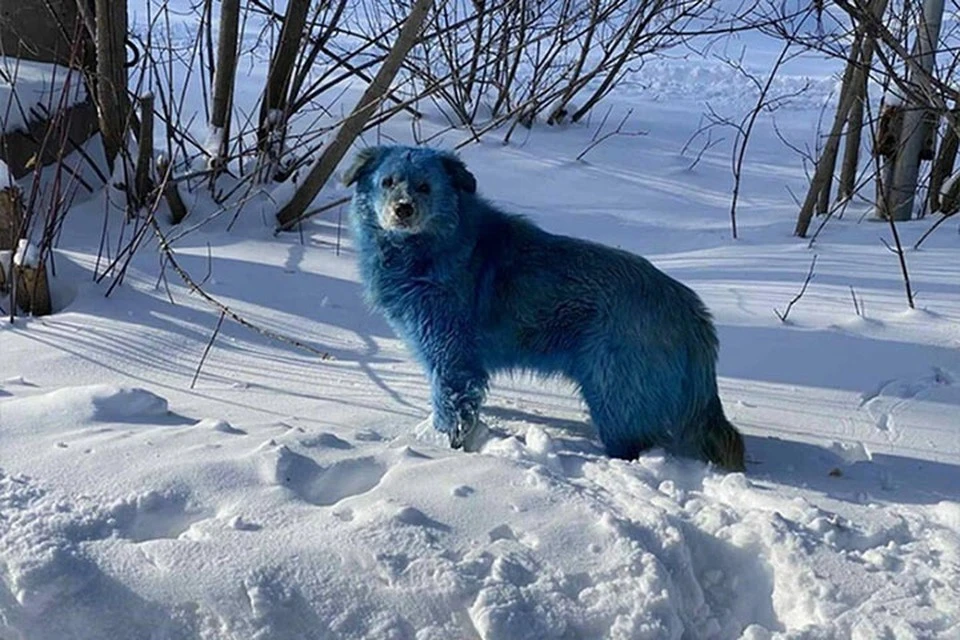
{"points": [[201, 529]]}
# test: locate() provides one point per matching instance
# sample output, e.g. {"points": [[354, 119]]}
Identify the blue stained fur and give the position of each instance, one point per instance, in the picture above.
{"points": [[474, 290]]}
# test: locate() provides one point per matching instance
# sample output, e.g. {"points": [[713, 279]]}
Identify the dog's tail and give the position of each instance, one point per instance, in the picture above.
{"points": [[720, 442]]}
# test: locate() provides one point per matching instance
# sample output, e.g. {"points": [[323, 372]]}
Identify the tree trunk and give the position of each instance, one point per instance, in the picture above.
{"points": [[915, 121], [113, 106], [946, 157], [353, 125], [273, 109], [223, 80], [851, 152], [11, 217], [821, 175], [824, 171], [828, 158]]}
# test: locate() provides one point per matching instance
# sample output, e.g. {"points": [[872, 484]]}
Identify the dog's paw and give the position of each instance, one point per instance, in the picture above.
{"points": [[477, 438], [457, 436], [469, 435], [471, 440], [466, 422]]}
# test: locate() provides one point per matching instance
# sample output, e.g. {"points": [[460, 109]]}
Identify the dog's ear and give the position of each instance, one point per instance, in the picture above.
{"points": [[365, 159], [461, 178]]}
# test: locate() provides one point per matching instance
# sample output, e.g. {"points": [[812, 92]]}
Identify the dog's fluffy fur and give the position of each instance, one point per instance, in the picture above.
{"points": [[474, 290]]}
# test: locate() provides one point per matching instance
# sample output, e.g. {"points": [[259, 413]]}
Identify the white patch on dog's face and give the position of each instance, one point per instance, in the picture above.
{"points": [[399, 208], [408, 194]]}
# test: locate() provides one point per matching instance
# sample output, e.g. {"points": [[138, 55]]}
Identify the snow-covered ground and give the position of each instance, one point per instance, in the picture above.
{"points": [[289, 497], [30, 91]]}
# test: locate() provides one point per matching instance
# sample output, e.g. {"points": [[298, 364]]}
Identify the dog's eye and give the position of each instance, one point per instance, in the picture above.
{"points": [[423, 188], [387, 182]]}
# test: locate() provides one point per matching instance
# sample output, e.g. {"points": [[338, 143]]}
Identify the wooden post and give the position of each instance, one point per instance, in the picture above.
{"points": [[946, 157], [178, 210], [885, 145], [11, 221], [143, 177]]}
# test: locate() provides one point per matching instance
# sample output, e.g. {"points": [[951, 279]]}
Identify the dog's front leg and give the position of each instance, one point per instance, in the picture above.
{"points": [[458, 381], [456, 407]]}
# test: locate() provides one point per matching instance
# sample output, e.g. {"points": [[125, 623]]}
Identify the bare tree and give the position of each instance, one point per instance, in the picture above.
{"points": [[224, 78], [273, 107], [288, 216], [559, 58], [851, 97], [916, 122]]}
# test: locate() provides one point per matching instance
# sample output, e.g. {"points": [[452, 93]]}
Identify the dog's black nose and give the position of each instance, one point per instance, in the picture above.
{"points": [[403, 210]]}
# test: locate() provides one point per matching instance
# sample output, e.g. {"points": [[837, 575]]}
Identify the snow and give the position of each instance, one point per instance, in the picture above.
{"points": [[284, 496], [6, 176], [214, 142], [30, 90], [27, 254]]}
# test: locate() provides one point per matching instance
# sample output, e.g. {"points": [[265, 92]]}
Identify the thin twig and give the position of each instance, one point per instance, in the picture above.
{"points": [[898, 249], [207, 350], [856, 306], [618, 131], [317, 211], [194, 288], [806, 281], [932, 228]]}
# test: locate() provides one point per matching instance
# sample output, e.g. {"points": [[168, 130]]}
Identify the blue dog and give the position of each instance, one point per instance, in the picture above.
{"points": [[474, 290]]}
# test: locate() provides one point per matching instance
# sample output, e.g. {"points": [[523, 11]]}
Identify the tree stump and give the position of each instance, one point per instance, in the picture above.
{"points": [[11, 218], [33, 290]]}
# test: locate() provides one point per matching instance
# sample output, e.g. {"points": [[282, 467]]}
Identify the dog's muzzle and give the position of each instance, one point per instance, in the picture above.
{"points": [[403, 211], [400, 214]]}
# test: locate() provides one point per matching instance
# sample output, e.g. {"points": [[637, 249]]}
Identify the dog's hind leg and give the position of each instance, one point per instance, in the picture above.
{"points": [[622, 424], [628, 404], [716, 439]]}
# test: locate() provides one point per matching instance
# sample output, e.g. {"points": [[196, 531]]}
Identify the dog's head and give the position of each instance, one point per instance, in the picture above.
{"points": [[409, 190]]}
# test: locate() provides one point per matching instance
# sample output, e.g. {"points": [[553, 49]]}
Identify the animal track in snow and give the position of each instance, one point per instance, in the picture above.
{"points": [[324, 486], [222, 426], [325, 440], [506, 532], [155, 516], [892, 396], [416, 518]]}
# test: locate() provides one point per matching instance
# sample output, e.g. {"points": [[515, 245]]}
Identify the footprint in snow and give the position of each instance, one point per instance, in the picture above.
{"points": [[322, 485]]}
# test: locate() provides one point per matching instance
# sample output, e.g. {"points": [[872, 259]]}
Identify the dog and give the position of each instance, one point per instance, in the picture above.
{"points": [[474, 291]]}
